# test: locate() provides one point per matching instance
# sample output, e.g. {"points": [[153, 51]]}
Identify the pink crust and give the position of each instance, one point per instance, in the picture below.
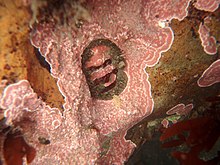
{"points": [[208, 42], [165, 123], [19, 100], [207, 5], [66, 137], [180, 109], [211, 75], [135, 27]]}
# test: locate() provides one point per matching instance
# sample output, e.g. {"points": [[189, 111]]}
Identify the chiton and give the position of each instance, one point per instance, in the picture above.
{"points": [[103, 66]]}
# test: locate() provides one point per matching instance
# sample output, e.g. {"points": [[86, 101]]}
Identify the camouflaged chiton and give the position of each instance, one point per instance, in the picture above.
{"points": [[103, 65]]}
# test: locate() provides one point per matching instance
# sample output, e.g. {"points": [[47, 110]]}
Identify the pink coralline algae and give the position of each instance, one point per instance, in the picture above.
{"points": [[20, 100], [99, 61], [68, 141], [207, 5], [211, 75], [165, 123], [208, 41], [180, 109]]}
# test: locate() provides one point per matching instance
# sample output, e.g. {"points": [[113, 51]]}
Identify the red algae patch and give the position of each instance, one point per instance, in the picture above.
{"points": [[197, 135], [17, 151]]}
